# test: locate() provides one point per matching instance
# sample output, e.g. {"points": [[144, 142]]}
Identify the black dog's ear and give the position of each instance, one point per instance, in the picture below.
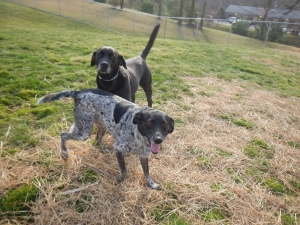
{"points": [[122, 61], [93, 60], [138, 118], [171, 125]]}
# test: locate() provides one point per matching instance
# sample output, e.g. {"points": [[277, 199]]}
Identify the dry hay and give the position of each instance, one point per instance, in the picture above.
{"points": [[187, 182]]}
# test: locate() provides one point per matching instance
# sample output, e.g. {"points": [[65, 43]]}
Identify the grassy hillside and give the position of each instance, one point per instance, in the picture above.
{"points": [[233, 158]]}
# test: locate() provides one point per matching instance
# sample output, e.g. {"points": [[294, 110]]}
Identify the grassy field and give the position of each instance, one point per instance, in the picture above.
{"points": [[232, 159]]}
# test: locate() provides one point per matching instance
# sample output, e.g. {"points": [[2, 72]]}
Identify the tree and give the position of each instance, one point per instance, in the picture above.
{"points": [[159, 8], [202, 14], [292, 5], [275, 33], [267, 5], [221, 13], [121, 4], [240, 28], [147, 7], [114, 3], [192, 11], [181, 11]]}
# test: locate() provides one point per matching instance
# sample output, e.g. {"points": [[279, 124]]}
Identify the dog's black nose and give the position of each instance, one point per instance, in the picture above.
{"points": [[157, 140], [104, 65]]}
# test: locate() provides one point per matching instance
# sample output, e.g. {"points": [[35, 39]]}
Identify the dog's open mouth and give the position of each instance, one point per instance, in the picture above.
{"points": [[103, 71], [155, 148]]}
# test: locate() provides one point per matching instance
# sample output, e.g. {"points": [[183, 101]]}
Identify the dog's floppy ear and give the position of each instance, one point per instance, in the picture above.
{"points": [[122, 61], [138, 118], [171, 121], [93, 60]]}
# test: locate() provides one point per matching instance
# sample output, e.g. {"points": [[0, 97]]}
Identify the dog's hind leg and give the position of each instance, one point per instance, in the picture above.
{"points": [[150, 182], [149, 96], [100, 133], [133, 98], [80, 131], [148, 91]]}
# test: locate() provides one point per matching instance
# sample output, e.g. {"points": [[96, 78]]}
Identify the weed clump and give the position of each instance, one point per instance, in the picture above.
{"points": [[258, 149], [222, 152], [238, 121], [165, 214], [213, 213], [43, 112], [83, 205], [18, 201], [88, 175], [22, 137], [294, 144], [11, 100], [288, 219], [277, 187], [28, 94]]}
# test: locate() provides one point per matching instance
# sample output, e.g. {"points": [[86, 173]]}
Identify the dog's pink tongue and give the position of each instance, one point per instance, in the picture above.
{"points": [[155, 148]]}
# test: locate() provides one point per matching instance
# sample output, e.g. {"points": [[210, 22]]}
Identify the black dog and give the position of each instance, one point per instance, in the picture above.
{"points": [[136, 130], [121, 77]]}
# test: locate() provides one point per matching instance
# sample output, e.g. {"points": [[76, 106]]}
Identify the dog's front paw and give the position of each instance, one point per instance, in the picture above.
{"points": [[64, 155], [105, 150], [121, 177], [153, 185], [102, 146]]}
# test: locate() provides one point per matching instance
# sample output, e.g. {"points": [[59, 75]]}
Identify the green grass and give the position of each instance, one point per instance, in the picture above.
{"points": [[294, 144], [222, 152], [237, 120], [18, 201], [83, 204], [88, 176], [216, 187], [235, 176], [213, 214], [43, 53], [288, 219], [165, 214], [258, 149]]}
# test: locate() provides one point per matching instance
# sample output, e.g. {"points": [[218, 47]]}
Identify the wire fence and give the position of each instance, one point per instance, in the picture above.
{"points": [[133, 23]]}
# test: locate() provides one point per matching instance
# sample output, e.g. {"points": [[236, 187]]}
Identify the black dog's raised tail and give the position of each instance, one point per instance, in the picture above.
{"points": [[56, 96], [150, 42]]}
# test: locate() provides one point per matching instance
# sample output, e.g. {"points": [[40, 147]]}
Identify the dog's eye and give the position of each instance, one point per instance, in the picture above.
{"points": [[164, 126], [150, 123]]}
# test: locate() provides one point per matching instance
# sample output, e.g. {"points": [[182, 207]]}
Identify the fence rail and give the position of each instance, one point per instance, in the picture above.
{"points": [[133, 23]]}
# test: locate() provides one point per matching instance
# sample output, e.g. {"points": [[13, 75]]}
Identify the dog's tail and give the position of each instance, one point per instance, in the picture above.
{"points": [[150, 42], [57, 96]]}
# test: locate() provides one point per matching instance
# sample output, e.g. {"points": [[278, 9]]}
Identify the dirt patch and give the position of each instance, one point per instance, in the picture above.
{"points": [[206, 174]]}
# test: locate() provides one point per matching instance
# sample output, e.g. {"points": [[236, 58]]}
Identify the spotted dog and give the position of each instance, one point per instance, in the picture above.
{"points": [[137, 130]]}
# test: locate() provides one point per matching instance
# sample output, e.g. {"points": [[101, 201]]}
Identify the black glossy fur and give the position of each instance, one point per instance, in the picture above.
{"points": [[121, 77], [136, 130]]}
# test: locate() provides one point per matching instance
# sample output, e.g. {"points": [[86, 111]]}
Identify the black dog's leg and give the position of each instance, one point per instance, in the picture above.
{"points": [[150, 182], [133, 98], [148, 91], [122, 166], [149, 97]]}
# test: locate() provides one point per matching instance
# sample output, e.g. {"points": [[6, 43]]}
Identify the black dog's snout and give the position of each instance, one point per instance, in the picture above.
{"points": [[157, 139], [104, 65]]}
